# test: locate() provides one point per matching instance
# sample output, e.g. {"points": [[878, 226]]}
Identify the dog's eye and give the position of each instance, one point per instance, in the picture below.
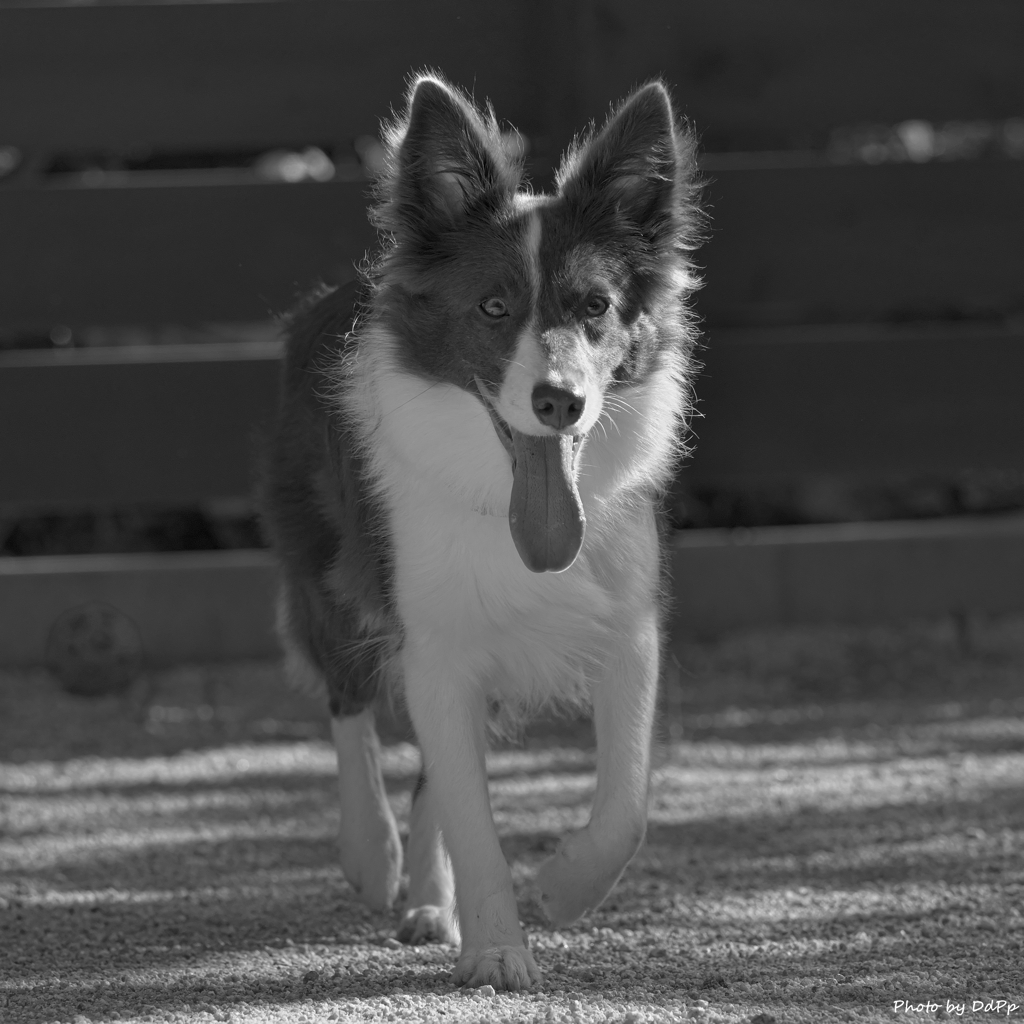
{"points": [[597, 306], [494, 307]]}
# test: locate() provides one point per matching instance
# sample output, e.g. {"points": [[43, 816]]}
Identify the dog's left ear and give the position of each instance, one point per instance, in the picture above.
{"points": [[638, 166]]}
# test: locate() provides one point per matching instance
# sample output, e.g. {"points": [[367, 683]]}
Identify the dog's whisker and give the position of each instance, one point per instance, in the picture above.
{"points": [[608, 419], [429, 387], [616, 401]]}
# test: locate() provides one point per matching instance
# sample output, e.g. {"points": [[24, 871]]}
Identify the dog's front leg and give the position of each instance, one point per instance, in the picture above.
{"points": [[448, 710], [430, 907], [371, 852], [588, 863]]}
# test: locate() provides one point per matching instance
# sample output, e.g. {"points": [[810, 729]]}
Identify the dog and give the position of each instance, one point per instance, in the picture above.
{"points": [[463, 488]]}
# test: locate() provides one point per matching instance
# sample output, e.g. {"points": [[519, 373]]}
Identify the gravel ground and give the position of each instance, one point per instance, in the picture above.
{"points": [[837, 824]]}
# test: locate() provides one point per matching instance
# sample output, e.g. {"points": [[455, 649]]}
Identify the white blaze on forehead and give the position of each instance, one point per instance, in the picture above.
{"points": [[531, 252], [528, 365], [568, 363], [562, 358]]}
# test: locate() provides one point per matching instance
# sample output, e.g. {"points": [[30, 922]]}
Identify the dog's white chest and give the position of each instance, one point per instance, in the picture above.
{"points": [[461, 584]]}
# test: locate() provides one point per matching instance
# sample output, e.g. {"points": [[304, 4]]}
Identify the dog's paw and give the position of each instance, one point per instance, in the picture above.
{"points": [[578, 877], [421, 925], [510, 968], [373, 865]]}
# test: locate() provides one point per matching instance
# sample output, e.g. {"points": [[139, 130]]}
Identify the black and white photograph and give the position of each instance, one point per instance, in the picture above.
{"points": [[511, 512]]}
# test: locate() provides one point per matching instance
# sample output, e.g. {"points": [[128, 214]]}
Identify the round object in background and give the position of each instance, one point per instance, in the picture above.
{"points": [[94, 650]]}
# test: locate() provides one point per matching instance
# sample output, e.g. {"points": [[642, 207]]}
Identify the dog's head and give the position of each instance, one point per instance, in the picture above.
{"points": [[540, 305]]}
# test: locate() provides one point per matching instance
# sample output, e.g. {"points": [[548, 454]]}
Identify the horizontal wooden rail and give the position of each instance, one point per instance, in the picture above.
{"points": [[174, 425], [191, 606], [847, 573], [838, 244], [212, 606], [752, 76], [756, 76], [174, 254], [218, 76], [788, 245], [858, 401], [167, 425]]}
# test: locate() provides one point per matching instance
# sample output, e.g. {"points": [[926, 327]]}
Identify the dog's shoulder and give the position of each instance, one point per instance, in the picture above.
{"points": [[316, 336], [317, 508]]}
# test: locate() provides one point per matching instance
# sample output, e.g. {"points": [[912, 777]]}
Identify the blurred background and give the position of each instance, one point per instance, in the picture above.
{"points": [[174, 176]]}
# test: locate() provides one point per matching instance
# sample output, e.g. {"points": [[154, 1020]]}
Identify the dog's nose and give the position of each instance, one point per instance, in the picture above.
{"points": [[556, 407]]}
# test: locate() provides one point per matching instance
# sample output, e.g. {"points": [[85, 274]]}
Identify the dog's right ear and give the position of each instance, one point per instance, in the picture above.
{"points": [[446, 160]]}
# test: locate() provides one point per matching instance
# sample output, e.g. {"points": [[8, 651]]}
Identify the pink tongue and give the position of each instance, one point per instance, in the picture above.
{"points": [[545, 514]]}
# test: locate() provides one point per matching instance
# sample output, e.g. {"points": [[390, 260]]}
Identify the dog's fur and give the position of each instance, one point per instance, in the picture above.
{"points": [[495, 325]]}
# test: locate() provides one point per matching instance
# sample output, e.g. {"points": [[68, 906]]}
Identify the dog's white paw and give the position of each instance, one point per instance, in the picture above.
{"points": [[372, 864], [421, 925], [510, 968], [578, 877]]}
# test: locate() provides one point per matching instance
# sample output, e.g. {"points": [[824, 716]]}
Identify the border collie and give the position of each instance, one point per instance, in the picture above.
{"points": [[463, 488]]}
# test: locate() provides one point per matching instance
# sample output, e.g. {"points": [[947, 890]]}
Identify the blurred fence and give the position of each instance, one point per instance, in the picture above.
{"points": [[864, 305]]}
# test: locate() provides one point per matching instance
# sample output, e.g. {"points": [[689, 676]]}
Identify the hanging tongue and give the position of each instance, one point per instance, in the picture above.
{"points": [[545, 514]]}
